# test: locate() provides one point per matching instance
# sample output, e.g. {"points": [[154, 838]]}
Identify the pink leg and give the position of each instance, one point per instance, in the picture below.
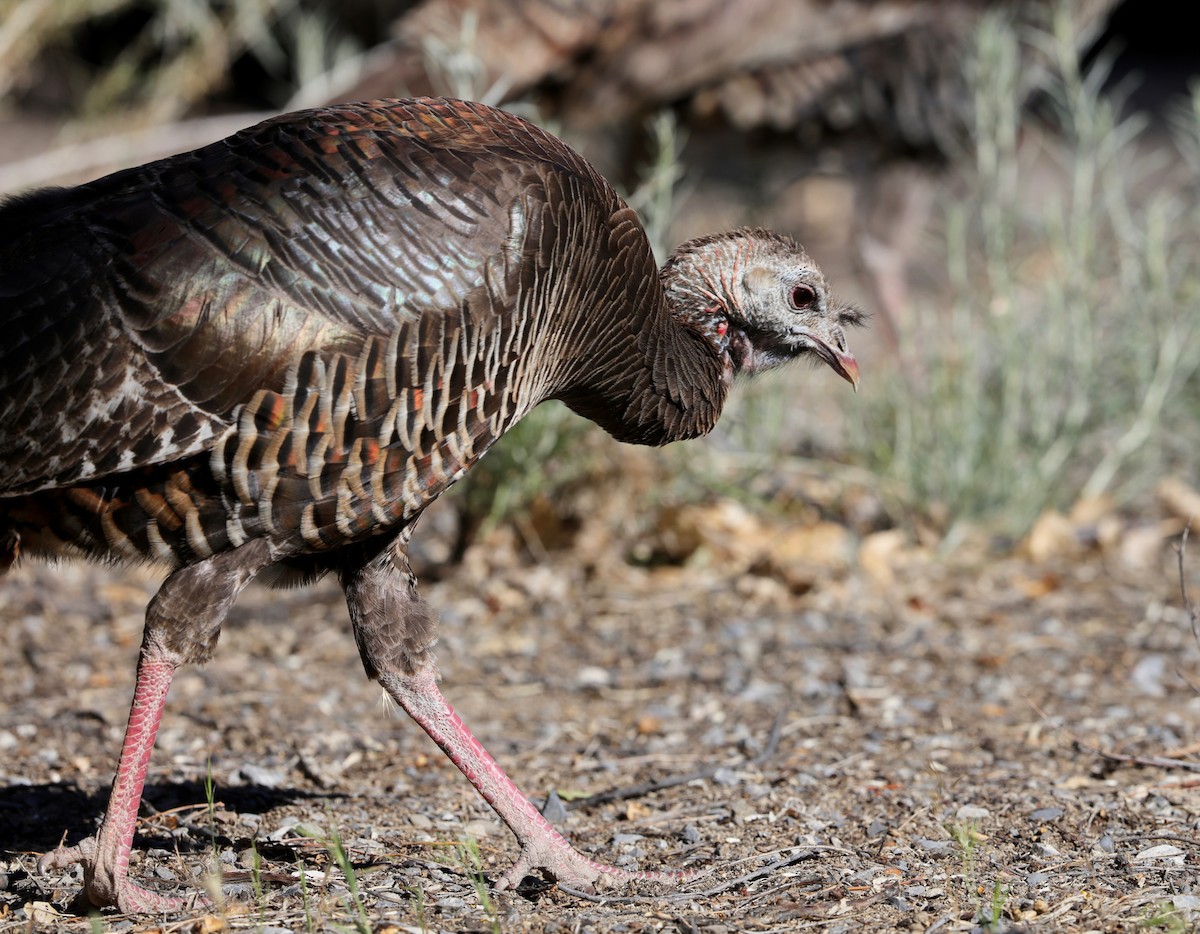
{"points": [[542, 847], [105, 857]]}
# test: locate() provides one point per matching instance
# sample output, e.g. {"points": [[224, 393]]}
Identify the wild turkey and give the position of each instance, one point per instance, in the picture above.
{"points": [[268, 356]]}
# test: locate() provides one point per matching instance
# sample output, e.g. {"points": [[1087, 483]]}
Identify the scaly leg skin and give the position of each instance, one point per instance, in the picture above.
{"points": [[105, 857], [542, 847]]}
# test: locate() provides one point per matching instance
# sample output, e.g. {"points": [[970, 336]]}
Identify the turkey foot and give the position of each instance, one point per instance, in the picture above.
{"points": [[549, 851], [103, 884], [542, 847]]}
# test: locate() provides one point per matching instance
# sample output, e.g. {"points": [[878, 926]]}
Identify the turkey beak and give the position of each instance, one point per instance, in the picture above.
{"points": [[846, 367], [841, 361]]}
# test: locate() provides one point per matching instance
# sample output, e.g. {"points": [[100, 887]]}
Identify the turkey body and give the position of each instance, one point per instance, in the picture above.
{"points": [[268, 356], [229, 336]]}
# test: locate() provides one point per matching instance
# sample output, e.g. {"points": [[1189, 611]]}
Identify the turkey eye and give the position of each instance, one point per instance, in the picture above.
{"points": [[803, 296]]}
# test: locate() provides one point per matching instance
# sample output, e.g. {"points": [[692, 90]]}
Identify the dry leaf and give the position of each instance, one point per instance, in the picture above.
{"points": [[1052, 536], [1141, 546], [826, 544], [636, 810], [1179, 498], [1091, 509], [723, 533], [1038, 586], [880, 553], [42, 913]]}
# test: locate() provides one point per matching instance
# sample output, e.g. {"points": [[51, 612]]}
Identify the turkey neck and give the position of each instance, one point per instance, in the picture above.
{"points": [[662, 383]]}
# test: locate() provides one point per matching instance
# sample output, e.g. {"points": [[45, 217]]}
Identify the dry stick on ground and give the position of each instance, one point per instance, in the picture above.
{"points": [[1161, 762], [807, 853], [645, 788], [1188, 607]]}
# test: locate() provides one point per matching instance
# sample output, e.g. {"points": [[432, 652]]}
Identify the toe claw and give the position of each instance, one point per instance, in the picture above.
{"points": [[101, 889], [63, 856]]}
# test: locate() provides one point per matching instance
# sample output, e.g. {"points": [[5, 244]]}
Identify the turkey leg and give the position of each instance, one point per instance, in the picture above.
{"points": [[183, 622], [394, 629], [542, 847], [105, 857]]}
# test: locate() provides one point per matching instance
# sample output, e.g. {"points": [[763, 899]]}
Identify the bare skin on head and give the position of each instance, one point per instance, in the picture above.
{"points": [[241, 398]]}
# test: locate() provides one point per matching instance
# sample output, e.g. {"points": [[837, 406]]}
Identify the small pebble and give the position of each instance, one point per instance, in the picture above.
{"points": [[251, 774], [726, 777], [554, 810], [1046, 814]]}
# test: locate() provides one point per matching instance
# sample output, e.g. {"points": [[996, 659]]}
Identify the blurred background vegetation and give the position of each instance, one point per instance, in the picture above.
{"points": [[1012, 189]]}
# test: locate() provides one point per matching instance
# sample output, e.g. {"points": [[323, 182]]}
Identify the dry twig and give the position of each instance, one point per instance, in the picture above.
{"points": [[645, 788], [1188, 607]]}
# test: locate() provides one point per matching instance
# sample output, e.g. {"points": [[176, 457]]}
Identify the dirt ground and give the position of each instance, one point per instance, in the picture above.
{"points": [[847, 732]]}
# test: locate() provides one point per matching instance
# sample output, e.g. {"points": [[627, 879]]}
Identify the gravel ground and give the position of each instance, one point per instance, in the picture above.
{"points": [[839, 732]]}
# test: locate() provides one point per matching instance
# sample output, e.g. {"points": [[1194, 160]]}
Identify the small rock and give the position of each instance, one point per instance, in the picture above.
{"points": [[1164, 851], [1188, 906], [554, 810], [284, 829], [250, 774], [972, 812], [1046, 814], [1147, 675], [479, 828], [742, 811], [593, 676]]}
